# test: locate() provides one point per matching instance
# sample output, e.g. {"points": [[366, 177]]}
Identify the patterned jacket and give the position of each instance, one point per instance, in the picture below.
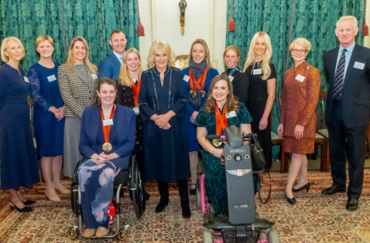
{"points": [[75, 93]]}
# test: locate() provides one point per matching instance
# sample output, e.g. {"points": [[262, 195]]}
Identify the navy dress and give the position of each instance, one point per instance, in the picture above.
{"points": [[191, 129], [18, 159], [166, 156], [45, 91]]}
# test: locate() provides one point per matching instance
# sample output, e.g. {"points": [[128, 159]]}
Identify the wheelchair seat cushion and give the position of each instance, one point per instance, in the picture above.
{"points": [[121, 178]]}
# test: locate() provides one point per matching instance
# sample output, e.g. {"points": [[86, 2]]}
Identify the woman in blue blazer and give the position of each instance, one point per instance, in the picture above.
{"points": [[105, 153], [197, 79]]}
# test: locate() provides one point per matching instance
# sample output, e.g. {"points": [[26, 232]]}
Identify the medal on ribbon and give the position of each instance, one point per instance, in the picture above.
{"points": [[221, 124], [136, 89], [107, 146], [194, 84]]}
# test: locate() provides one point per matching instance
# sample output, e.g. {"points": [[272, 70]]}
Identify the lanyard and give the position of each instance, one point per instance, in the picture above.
{"points": [[136, 89], [221, 120], [106, 129], [195, 83], [232, 71]]}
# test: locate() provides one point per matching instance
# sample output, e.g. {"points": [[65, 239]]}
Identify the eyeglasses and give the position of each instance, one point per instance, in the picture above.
{"points": [[298, 51]]}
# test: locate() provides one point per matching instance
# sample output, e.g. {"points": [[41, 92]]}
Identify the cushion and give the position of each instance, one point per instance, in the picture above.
{"points": [[274, 136], [324, 132], [318, 136]]}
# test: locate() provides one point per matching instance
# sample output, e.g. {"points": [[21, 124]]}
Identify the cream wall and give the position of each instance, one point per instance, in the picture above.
{"points": [[204, 19]]}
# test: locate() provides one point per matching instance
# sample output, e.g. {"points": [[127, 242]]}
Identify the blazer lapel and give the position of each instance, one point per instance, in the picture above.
{"points": [[94, 128], [354, 57], [116, 62], [78, 75], [89, 73], [334, 61]]}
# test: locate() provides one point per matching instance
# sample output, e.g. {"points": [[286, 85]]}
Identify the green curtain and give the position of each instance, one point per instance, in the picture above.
{"points": [[314, 20], [64, 19]]}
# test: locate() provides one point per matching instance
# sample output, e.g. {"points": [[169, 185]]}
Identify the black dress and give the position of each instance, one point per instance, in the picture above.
{"points": [[257, 97], [125, 95], [240, 84], [166, 156]]}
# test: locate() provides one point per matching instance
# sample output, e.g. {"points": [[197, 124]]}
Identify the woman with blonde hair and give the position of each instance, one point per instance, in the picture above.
{"points": [[298, 115], [48, 116], [128, 89], [196, 78], [162, 105], [18, 160], [261, 93], [78, 80]]}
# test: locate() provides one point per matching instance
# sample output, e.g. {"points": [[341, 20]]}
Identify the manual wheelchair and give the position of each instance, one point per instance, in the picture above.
{"points": [[128, 178], [242, 223]]}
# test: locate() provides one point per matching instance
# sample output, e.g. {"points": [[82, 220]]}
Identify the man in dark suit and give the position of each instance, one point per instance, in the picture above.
{"points": [[110, 66], [347, 70]]}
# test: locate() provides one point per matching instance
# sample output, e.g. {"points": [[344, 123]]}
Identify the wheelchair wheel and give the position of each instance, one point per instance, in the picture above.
{"points": [[74, 189], [72, 233], [207, 237], [122, 235], [137, 190], [273, 236]]}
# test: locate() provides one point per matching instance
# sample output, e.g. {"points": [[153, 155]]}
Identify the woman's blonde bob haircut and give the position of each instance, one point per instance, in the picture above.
{"points": [[231, 100], [4, 45], [71, 60], [206, 50], [124, 74], [231, 48], [266, 70], [42, 38], [163, 47], [302, 42]]}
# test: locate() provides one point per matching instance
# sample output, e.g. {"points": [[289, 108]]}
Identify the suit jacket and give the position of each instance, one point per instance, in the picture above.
{"points": [[109, 67], [125, 120], [75, 93], [355, 93]]}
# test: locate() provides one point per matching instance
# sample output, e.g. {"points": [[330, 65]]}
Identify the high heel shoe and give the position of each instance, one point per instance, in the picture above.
{"points": [[29, 202], [21, 210], [307, 186], [54, 199], [290, 200]]}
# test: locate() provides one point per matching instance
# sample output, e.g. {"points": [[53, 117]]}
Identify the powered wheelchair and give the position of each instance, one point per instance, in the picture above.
{"points": [[128, 178], [242, 223]]}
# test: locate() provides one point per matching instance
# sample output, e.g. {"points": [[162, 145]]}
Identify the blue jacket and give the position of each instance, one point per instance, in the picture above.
{"points": [[125, 120], [109, 67]]}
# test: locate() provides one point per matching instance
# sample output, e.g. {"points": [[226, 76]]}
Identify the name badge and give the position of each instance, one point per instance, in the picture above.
{"points": [[231, 78], [136, 110], [257, 71], [108, 122], [186, 78], [26, 80], [231, 114], [52, 78], [94, 76], [359, 65], [300, 78]]}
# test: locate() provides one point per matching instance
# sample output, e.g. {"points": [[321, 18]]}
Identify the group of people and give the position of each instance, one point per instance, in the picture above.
{"points": [[163, 115]]}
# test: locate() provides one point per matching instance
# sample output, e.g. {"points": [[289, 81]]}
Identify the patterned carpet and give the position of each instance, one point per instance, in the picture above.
{"points": [[314, 218]]}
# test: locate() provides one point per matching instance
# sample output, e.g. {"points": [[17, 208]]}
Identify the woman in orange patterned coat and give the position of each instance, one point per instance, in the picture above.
{"points": [[298, 115]]}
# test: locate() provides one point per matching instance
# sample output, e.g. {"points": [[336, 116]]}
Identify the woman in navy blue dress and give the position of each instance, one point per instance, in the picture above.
{"points": [[18, 158], [196, 78], [162, 104], [48, 116]]}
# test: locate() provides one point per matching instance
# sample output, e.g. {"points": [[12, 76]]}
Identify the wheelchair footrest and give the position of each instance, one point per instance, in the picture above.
{"points": [[232, 236]]}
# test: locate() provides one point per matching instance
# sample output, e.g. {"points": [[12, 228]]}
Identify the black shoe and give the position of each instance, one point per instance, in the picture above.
{"points": [[352, 204], [29, 202], [161, 206], [186, 213], [307, 186], [194, 191], [21, 210], [290, 200], [183, 191], [333, 189]]}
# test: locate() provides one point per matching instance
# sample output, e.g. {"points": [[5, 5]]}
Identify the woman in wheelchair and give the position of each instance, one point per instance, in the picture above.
{"points": [[221, 110], [107, 140]]}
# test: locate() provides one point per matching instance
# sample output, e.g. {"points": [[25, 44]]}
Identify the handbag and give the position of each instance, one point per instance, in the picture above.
{"points": [[258, 162]]}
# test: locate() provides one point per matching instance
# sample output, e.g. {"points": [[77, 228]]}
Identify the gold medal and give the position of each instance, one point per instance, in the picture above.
{"points": [[217, 142], [203, 93], [107, 147]]}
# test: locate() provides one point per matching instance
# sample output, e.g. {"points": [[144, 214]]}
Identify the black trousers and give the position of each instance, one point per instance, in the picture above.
{"points": [[356, 138]]}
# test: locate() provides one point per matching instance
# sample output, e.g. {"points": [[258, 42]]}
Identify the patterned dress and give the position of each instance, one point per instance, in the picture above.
{"points": [[215, 172], [298, 107]]}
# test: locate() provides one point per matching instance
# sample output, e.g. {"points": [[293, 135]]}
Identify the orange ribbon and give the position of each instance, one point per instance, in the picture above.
{"points": [[221, 119], [136, 89], [106, 129], [196, 83]]}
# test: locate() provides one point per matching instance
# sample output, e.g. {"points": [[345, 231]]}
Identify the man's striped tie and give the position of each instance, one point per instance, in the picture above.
{"points": [[339, 76]]}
